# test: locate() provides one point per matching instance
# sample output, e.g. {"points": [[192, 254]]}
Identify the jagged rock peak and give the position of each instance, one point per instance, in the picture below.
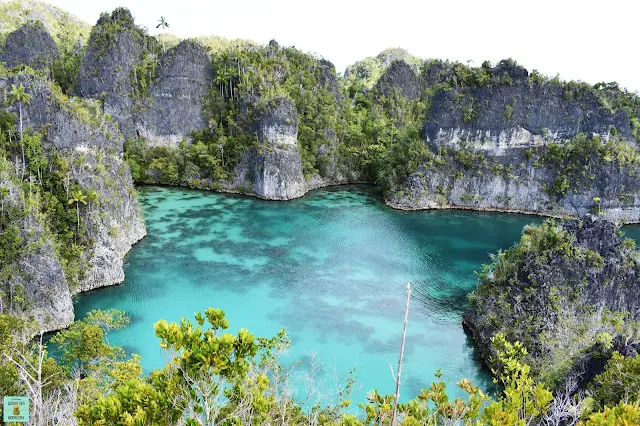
{"points": [[399, 76], [30, 45], [120, 16], [183, 59], [512, 69], [115, 47]]}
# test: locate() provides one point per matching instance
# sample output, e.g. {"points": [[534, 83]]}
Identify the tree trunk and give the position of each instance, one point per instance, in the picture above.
{"points": [[21, 140], [398, 377]]}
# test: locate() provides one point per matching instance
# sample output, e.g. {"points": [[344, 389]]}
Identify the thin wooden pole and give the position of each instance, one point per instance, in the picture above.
{"points": [[404, 335]]}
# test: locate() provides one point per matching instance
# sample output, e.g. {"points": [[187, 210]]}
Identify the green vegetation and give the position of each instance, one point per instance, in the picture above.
{"points": [[620, 381], [69, 33], [41, 203], [240, 72], [576, 162], [216, 377], [366, 72], [162, 23], [67, 30], [545, 307]]}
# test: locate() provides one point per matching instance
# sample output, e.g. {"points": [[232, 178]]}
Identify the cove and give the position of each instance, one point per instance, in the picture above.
{"points": [[331, 268]]}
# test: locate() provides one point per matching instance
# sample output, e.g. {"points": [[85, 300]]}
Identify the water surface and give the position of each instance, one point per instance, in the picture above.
{"points": [[331, 268]]}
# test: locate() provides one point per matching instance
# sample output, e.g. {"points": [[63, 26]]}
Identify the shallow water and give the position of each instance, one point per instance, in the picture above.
{"points": [[331, 268]]}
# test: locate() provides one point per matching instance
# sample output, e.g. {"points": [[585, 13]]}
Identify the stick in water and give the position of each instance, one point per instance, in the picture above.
{"points": [[404, 334]]}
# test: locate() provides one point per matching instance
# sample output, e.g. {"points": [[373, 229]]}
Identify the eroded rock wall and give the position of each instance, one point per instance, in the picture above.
{"points": [[273, 169], [175, 109]]}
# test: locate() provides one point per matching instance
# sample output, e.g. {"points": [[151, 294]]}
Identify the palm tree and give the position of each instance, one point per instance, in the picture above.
{"points": [[20, 96], [4, 194], [164, 25], [77, 197], [222, 76]]}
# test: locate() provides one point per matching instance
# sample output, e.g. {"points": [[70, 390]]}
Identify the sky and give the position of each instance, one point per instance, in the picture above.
{"points": [[580, 40]]}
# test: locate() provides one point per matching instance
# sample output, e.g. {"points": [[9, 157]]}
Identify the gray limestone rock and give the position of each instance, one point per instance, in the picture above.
{"points": [[183, 78], [553, 297], [108, 66], [399, 77], [273, 169], [29, 45], [521, 113], [68, 123], [115, 224]]}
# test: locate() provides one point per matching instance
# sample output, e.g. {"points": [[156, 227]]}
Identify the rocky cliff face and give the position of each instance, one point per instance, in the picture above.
{"points": [[399, 77], [108, 69], [611, 194], [115, 223], [488, 141], [47, 291], [273, 169], [91, 144], [30, 45], [38, 271], [565, 291], [175, 109], [519, 112], [68, 123]]}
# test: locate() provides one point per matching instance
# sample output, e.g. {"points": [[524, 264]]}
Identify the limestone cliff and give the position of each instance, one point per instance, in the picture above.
{"points": [[108, 71], [401, 77], [183, 79], [69, 123], [273, 169], [491, 133], [115, 223], [30, 45], [88, 147], [566, 291], [37, 273], [516, 111]]}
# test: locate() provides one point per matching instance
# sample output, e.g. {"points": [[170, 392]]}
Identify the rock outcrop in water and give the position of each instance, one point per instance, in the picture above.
{"points": [[566, 292], [273, 169], [80, 136], [29, 45], [492, 138]]}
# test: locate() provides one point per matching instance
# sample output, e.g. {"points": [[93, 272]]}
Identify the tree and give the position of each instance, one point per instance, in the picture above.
{"points": [[213, 378], [83, 344], [111, 319], [622, 415], [619, 382], [164, 25], [18, 95], [42, 378], [77, 197], [4, 194], [398, 377]]}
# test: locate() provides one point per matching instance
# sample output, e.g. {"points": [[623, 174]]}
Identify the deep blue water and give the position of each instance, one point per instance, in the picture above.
{"points": [[331, 268]]}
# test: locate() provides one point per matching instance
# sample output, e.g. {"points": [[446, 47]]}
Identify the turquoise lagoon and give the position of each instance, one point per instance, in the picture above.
{"points": [[331, 268]]}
